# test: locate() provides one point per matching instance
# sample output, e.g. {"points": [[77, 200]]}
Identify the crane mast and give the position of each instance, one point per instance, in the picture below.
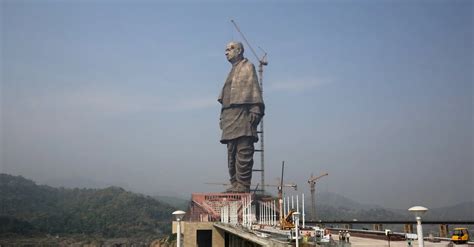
{"points": [[280, 193], [312, 183]]}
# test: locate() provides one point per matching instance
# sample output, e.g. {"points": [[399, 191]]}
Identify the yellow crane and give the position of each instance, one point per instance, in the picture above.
{"points": [[312, 182]]}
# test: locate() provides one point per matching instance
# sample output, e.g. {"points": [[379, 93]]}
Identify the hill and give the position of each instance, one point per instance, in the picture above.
{"points": [[110, 212], [178, 203], [461, 211], [336, 200], [458, 212], [332, 206]]}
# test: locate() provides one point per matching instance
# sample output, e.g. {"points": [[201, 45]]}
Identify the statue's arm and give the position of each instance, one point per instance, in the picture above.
{"points": [[256, 114], [256, 110]]}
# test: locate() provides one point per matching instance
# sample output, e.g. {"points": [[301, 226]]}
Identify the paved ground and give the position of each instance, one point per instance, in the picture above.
{"points": [[356, 241]]}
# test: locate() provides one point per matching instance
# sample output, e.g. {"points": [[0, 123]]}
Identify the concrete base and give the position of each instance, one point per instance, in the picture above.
{"points": [[191, 233], [238, 236], [222, 235]]}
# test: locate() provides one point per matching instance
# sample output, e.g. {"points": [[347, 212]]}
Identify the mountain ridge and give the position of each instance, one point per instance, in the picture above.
{"points": [[109, 212]]}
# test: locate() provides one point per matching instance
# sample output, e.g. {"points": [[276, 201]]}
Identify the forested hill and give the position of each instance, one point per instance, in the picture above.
{"points": [[111, 212]]}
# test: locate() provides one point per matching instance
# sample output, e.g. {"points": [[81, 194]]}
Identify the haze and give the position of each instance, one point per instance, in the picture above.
{"points": [[379, 94]]}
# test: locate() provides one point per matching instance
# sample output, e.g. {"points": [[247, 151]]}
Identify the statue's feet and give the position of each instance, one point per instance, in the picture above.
{"points": [[240, 188], [232, 188]]}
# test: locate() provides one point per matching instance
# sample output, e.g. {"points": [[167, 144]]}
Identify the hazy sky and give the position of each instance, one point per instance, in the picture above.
{"points": [[379, 94]]}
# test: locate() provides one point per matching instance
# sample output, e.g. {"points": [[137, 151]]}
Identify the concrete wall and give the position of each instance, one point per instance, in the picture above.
{"points": [[236, 236], [189, 231]]}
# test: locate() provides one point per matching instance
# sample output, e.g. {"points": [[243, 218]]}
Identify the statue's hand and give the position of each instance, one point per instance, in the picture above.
{"points": [[255, 118]]}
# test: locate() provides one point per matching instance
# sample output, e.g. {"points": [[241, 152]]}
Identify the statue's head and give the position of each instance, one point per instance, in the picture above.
{"points": [[234, 51]]}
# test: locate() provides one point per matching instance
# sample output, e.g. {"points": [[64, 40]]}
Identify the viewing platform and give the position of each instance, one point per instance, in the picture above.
{"points": [[247, 219]]}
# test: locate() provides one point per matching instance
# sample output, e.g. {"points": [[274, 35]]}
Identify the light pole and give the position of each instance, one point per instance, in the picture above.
{"points": [[297, 230], [179, 216], [418, 211]]}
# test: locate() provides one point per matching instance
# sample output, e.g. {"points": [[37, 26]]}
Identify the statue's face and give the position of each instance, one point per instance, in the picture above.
{"points": [[232, 52]]}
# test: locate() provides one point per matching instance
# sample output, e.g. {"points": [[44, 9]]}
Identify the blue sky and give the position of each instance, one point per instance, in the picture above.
{"points": [[379, 94]]}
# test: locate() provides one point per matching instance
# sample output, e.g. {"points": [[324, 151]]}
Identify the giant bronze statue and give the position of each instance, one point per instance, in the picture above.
{"points": [[242, 110]]}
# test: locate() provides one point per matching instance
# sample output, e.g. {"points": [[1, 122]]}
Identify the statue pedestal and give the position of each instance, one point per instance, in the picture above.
{"points": [[208, 207]]}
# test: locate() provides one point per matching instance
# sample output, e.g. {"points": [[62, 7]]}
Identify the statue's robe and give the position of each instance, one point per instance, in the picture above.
{"points": [[240, 96]]}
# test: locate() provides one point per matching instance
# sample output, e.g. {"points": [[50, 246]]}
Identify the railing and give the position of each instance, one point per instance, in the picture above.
{"points": [[381, 233], [393, 222]]}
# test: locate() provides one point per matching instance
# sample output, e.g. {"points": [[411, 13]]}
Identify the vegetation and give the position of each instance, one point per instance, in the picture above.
{"points": [[178, 203], [331, 206], [94, 216], [28, 208]]}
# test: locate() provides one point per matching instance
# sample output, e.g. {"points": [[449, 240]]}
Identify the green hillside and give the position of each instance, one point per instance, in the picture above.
{"points": [[178, 203], [112, 212]]}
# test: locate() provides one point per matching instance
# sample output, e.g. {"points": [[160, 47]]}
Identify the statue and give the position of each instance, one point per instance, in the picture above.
{"points": [[242, 110]]}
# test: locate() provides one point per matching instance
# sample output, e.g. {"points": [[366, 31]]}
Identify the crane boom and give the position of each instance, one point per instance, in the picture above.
{"points": [[313, 178], [248, 44]]}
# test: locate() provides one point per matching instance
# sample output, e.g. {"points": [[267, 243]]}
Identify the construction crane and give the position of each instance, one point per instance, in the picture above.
{"points": [[312, 182], [286, 222]]}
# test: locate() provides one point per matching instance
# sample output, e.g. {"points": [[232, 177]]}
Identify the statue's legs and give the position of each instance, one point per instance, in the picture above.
{"points": [[244, 164], [231, 151], [241, 163]]}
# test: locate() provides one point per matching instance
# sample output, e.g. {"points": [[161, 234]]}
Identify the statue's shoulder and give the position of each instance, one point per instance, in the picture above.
{"points": [[247, 64]]}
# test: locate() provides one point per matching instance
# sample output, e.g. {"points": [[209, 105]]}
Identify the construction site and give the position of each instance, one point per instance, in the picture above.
{"points": [[251, 219], [255, 217]]}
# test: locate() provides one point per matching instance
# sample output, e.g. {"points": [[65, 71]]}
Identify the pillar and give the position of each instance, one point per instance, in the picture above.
{"points": [[378, 227], [443, 231], [408, 228]]}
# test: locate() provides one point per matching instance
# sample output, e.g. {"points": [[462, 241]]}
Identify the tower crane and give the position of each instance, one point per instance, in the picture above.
{"points": [[312, 182]]}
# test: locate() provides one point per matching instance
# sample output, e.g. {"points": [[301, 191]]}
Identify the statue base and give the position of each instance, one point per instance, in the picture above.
{"points": [[208, 207]]}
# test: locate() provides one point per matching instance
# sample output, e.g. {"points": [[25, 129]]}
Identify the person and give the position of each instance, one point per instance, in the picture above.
{"points": [[241, 112], [348, 235]]}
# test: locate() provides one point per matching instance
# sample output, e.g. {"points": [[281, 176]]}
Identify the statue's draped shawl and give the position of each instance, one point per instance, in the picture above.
{"points": [[240, 96], [245, 88]]}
